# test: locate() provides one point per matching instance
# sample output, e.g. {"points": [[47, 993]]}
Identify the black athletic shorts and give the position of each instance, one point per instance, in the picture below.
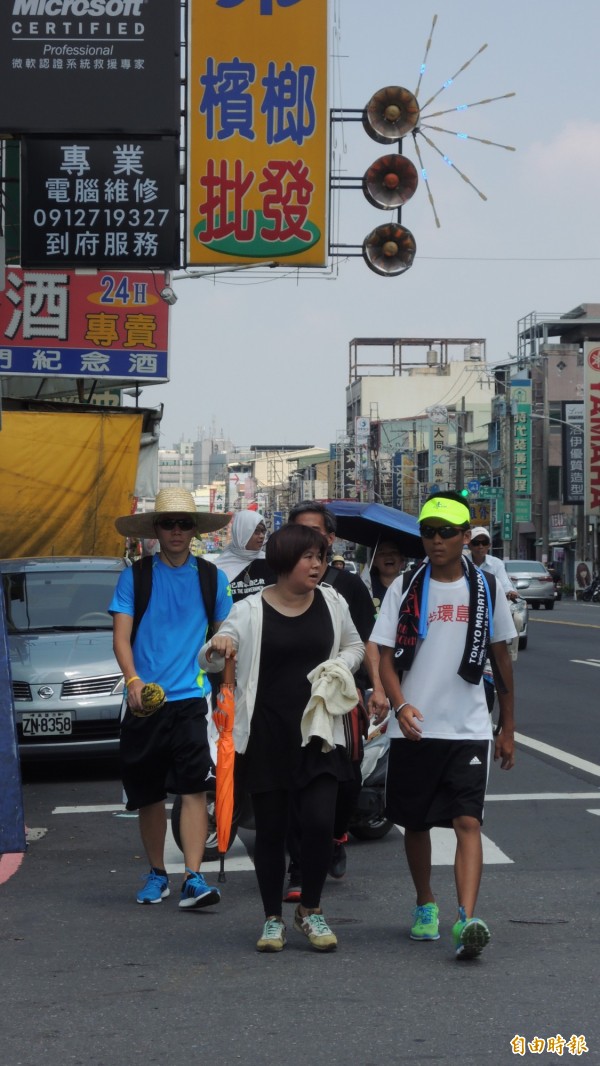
{"points": [[167, 752], [431, 782]]}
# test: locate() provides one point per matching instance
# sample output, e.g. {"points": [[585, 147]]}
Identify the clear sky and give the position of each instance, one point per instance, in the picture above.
{"points": [[264, 359]]}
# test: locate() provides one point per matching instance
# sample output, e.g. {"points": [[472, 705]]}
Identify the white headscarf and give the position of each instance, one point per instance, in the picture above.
{"points": [[236, 556]]}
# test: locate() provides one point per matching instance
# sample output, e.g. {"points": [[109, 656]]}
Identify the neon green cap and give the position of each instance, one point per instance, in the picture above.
{"points": [[456, 514]]}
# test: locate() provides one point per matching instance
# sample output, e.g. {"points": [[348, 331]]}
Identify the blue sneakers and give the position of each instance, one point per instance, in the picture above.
{"points": [[156, 888], [196, 893]]}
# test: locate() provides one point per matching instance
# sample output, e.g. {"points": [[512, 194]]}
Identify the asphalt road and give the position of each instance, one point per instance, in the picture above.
{"points": [[88, 977]]}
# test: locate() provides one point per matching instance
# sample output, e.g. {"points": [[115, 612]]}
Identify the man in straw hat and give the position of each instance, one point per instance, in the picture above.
{"points": [[168, 751]]}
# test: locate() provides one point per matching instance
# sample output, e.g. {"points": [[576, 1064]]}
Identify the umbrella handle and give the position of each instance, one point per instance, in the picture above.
{"points": [[222, 877], [229, 672]]}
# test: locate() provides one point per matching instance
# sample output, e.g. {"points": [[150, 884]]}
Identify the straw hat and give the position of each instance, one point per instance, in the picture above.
{"points": [[171, 501]]}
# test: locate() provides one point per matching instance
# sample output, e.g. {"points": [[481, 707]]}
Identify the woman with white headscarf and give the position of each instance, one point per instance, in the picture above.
{"points": [[243, 561]]}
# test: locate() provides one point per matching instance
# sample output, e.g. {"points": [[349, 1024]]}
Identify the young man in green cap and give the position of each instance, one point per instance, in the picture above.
{"points": [[434, 637]]}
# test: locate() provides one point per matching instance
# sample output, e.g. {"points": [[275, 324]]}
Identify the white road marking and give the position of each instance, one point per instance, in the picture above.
{"points": [[443, 841], [586, 662], [237, 858], [443, 848], [558, 753], [97, 808], [520, 797]]}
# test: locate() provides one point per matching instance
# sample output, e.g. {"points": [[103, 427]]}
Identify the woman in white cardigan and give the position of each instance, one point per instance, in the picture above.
{"points": [[277, 638]]}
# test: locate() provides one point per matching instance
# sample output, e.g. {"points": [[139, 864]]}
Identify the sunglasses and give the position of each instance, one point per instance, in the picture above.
{"points": [[184, 524], [480, 543], [445, 532]]}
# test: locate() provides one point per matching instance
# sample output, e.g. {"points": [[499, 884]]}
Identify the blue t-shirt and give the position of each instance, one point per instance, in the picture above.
{"points": [[173, 627]]}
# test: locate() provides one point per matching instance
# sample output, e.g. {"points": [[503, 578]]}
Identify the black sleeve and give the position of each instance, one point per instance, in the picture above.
{"points": [[358, 598]]}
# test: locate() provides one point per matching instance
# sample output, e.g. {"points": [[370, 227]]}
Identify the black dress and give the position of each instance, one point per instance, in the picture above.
{"points": [[290, 648]]}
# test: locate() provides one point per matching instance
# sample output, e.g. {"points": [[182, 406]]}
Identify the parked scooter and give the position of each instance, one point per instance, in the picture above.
{"points": [[367, 822], [591, 593]]}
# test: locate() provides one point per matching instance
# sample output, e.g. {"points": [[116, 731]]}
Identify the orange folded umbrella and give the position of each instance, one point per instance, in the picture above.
{"points": [[223, 716]]}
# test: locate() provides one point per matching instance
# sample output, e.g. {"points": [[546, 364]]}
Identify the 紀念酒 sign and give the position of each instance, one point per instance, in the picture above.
{"points": [[110, 326], [257, 132]]}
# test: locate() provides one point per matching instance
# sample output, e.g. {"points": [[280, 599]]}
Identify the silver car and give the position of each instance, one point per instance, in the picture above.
{"points": [[532, 581], [67, 686]]}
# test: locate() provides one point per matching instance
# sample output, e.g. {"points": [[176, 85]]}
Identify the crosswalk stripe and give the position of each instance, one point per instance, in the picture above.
{"points": [[237, 858], [443, 849]]}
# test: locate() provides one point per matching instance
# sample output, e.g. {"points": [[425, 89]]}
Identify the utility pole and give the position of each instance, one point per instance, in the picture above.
{"points": [[460, 443]]}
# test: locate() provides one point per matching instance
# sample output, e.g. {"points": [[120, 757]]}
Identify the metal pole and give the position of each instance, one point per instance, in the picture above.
{"points": [[545, 553]]}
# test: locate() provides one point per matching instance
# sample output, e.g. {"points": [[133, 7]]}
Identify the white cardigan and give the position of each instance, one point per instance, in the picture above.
{"points": [[244, 626]]}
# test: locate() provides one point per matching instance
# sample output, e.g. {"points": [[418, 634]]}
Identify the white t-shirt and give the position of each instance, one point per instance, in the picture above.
{"points": [[452, 708]]}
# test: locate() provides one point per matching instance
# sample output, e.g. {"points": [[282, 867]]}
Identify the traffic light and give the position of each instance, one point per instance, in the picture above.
{"points": [[391, 180]]}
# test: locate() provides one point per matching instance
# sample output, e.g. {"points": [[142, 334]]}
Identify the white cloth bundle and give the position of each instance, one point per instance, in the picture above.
{"points": [[333, 693]]}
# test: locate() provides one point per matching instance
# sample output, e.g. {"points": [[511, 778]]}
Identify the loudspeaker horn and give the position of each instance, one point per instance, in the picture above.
{"points": [[389, 250], [390, 181], [390, 114]]}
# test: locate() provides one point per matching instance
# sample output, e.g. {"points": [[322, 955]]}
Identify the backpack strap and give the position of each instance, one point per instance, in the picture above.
{"points": [[142, 587], [209, 579]]}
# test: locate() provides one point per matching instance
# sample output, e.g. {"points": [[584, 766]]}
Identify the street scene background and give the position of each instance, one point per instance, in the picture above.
{"points": [[89, 977]]}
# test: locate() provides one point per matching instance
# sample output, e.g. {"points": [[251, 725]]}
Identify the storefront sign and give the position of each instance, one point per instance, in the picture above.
{"points": [[573, 457], [439, 459], [257, 131], [103, 202], [591, 386], [107, 326], [521, 444], [99, 66]]}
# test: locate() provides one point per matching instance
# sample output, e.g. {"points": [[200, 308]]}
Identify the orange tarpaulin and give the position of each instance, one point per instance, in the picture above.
{"points": [[223, 717], [64, 478]]}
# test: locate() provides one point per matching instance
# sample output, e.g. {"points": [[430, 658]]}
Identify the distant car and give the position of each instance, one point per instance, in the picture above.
{"points": [[67, 685], [351, 566], [532, 581]]}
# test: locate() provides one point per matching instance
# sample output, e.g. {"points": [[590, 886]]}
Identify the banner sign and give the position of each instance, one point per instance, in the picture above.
{"points": [[591, 388], [572, 452], [439, 459], [99, 66], [106, 326], [106, 203], [257, 132], [521, 443]]}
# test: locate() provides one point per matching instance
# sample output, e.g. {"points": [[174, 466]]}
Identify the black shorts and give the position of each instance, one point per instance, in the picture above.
{"points": [[167, 752], [431, 782]]}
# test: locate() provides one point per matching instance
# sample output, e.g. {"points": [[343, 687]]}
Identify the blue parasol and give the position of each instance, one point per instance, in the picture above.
{"points": [[368, 523]]}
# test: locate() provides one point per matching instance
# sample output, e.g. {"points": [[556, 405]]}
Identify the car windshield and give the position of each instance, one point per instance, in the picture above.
{"points": [[58, 599]]}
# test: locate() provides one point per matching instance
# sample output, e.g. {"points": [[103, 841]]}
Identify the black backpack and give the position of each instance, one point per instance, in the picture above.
{"points": [[142, 588]]}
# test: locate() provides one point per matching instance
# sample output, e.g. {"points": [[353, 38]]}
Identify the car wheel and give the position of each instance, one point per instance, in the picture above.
{"points": [[549, 605], [522, 643], [535, 605]]}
